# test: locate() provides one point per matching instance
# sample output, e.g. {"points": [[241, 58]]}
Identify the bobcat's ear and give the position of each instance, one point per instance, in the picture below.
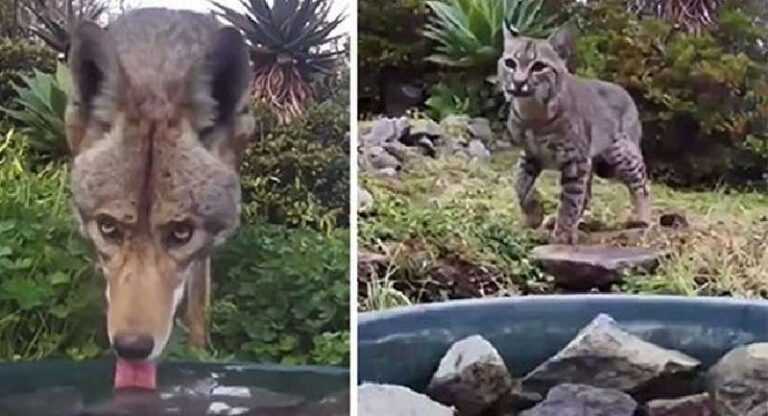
{"points": [[563, 41], [510, 32]]}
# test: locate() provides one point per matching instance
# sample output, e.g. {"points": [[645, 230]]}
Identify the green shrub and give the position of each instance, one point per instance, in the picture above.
{"points": [[19, 57], [50, 298], [283, 295], [41, 105], [298, 174], [703, 98], [389, 38]]}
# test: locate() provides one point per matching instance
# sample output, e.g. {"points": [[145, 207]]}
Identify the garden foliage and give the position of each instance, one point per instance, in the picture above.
{"points": [[703, 97]]}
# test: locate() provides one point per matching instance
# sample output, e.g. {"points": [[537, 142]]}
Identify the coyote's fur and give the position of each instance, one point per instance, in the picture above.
{"points": [[156, 126]]}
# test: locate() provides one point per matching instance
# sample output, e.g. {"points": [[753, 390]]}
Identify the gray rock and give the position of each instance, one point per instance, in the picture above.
{"points": [[381, 159], [472, 377], [759, 410], [477, 150], [364, 200], [503, 145], [402, 152], [386, 400], [456, 128], [603, 355], [387, 173], [385, 130], [582, 400], [739, 381], [480, 128], [696, 405], [427, 146], [424, 127], [585, 267]]}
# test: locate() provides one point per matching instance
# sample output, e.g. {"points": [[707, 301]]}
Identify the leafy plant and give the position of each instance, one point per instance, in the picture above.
{"points": [[20, 57], [50, 299], [702, 97], [457, 96], [283, 296], [291, 41], [298, 175], [57, 18], [42, 102]]}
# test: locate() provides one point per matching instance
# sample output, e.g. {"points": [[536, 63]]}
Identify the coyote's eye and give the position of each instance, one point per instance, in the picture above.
{"points": [[510, 63], [539, 67], [109, 228], [181, 233]]}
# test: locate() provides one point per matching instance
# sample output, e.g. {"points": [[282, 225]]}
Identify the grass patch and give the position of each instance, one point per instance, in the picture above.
{"points": [[451, 229]]}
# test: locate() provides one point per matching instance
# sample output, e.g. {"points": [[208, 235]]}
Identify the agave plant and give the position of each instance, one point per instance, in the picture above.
{"points": [[290, 42], [469, 33], [56, 18], [41, 104], [693, 15]]}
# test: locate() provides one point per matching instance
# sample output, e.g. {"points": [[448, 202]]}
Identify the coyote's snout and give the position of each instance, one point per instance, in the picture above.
{"points": [[156, 126]]}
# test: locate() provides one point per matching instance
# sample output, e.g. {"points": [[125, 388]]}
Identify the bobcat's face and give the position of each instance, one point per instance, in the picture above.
{"points": [[530, 68]]}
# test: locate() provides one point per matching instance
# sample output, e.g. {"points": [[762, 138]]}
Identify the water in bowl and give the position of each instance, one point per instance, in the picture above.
{"points": [[188, 389]]}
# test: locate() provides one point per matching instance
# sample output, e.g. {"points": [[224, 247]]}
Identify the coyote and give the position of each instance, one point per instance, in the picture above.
{"points": [[574, 125], [156, 124]]}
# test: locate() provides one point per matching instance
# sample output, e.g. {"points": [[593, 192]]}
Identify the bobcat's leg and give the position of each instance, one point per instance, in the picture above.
{"points": [[626, 159], [587, 194], [574, 181], [528, 170], [198, 300]]}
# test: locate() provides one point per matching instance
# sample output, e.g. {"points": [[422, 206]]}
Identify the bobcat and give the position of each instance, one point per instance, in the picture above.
{"points": [[574, 125]]}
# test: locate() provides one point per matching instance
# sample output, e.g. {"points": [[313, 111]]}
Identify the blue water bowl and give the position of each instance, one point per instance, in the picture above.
{"points": [[404, 346]]}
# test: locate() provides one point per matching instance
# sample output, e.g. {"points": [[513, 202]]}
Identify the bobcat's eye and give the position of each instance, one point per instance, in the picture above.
{"points": [[510, 63], [181, 233], [539, 67], [109, 228]]}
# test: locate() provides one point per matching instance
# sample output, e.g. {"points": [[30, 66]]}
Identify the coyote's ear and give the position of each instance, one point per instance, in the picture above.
{"points": [[227, 73], [97, 79]]}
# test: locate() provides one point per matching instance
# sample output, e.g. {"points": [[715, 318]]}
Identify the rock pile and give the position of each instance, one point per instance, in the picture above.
{"points": [[603, 371], [388, 144]]}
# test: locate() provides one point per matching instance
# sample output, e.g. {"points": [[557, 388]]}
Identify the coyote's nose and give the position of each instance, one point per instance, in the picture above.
{"points": [[132, 346]]}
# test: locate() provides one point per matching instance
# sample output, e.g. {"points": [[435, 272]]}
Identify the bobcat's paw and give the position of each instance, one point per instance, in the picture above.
{"points": [[564, 236], [549, 222], [637, 223]]}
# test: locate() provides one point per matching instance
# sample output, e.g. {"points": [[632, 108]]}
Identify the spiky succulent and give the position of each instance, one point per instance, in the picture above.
{"points": [[290, 42], [56, 18], [468, 33]]}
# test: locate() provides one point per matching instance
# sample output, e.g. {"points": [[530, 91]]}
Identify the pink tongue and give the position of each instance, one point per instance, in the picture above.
{"points": [[137, 374]]}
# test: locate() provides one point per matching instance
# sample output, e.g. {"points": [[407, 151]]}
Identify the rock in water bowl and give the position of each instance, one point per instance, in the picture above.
{"points": [[65, 388], [404, 346]]}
